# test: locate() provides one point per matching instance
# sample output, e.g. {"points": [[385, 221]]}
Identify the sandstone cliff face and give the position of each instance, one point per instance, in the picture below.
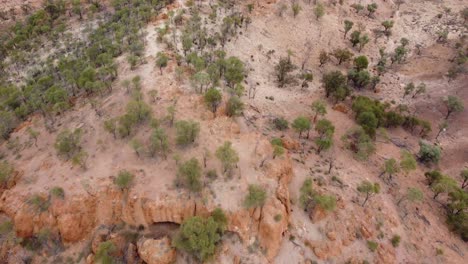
{"points": [[76, 217]]}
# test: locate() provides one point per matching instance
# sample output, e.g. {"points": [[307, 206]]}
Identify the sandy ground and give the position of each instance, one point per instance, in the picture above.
{"points": [[42, 169]]}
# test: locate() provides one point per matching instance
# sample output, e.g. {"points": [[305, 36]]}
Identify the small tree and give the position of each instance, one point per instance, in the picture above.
{"points": [[429, 153], [186, 132], [188, 175], [306, 194], [369, 189], [390, 167], [137, 146], [335, 84], [234, 71], [283, 69], [326, 202], [296, 8], [234, 106], [453, 104], [372, 8], [323, 58], [319, 10], [213, 98], [355, 37], [444, 185], [280, 123], [301, 124], [361, 63], [408, 162], [348, 25], [227, 155], [161, 60], [412, 195], [387, 24], [200, 236], [256, 197], [342, 55], [319, 108], [67, 143], [124, 180], [159, 142]]}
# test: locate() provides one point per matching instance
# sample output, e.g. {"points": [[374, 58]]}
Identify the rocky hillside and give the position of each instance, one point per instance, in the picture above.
{"points": [[139, 131]]}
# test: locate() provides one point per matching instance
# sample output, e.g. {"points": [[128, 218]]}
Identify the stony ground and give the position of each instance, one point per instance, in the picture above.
{"points": [[329, 238]]}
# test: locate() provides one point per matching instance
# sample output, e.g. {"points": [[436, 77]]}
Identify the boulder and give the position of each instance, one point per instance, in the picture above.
{"points": [[156, 251]]}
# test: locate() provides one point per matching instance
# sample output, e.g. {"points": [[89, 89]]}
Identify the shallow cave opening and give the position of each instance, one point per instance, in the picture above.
{"points": [[161, 229]]}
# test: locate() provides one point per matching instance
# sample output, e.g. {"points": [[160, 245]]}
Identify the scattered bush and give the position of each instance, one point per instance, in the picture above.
{"points": [[429, 153], [124, 179], [57, 192], [188, 175], [234, 106], [200, 236], [227, 155], [372, 245], [396, 240], [256, 197], [281, 123], [186, 132], [67, 143]]}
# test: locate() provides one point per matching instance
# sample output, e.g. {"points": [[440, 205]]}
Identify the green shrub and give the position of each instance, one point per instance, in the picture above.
{"points": [[280, 123], [57, 192], [234, 106], [188, 175], [278, 217], [227, 155], [104, 253], [6, 227], [359, 143], [429, 153], [306, 194], [39, 203], [67, 143], [200, 236], [326, 202], [256, 197], [186, 132], [372, 245], [124, 179], [6, 171], [396, 240]]}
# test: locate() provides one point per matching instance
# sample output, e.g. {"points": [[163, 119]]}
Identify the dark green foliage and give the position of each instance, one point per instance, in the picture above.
{"points": [[361, 63], [234, 106], [306, 194], [283, 70], [234, 71], [213, 98], [301, 124], [124, 179], [256, 196], [325, 130], [188, 175], [280, 123], [360, 79], [319, 108], [335, 84], [200, 236], [429, 153], [368, 122], [186, 132], [369, 189], [433, 176], [326, 202], [67, 143]]}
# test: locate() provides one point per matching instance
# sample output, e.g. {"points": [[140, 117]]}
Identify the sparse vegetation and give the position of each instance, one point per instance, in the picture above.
{"points": [[256, 196]]}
